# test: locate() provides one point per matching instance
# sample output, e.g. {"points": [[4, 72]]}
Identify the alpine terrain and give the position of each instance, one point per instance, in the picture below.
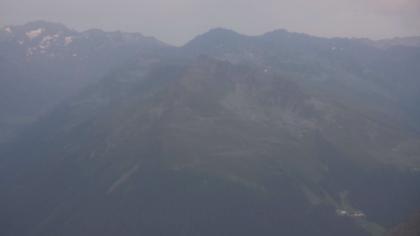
{"points": [[278, 134]]}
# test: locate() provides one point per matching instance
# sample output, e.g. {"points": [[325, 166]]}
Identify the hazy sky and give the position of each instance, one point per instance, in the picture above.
{"points": [[176, 21]]}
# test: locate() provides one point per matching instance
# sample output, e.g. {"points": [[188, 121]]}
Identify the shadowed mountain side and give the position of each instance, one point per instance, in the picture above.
{"points": [[384, 78], [408, 228], [206, 148]]}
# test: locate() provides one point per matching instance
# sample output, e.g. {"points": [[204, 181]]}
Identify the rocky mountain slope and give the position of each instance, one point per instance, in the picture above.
{"points": [[42, 63], [409, 228], [346, 65], [279, 134]]}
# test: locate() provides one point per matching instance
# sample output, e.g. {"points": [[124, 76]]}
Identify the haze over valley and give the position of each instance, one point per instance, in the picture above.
{"points": [[281, 133]]}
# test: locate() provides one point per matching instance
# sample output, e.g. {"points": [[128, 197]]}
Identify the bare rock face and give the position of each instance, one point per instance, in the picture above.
{"points": [[409, 228]]}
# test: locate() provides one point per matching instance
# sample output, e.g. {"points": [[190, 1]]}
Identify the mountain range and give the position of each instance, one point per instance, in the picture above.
{"points": [[43, 63], [278, 134]]}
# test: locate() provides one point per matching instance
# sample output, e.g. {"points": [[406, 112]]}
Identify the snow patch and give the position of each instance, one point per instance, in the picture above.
{"points": [[8, 30], [335, 48], [353, 214], [46, 41], [34, 33], [342, 212], [68, 40], [29, 52]]}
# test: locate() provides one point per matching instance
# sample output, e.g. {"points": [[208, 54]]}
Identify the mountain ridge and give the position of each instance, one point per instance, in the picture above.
{"points": [[43, 63]]}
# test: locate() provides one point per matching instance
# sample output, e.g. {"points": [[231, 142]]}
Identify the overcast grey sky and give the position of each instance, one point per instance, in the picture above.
{"points": [[176, 21]]}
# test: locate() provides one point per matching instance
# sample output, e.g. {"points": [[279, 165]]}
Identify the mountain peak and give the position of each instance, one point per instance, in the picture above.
{"points": [[283, 33], [215, 39], [36, 29], [216, 34], [222, 31], [413, 41], [48, 26]]}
